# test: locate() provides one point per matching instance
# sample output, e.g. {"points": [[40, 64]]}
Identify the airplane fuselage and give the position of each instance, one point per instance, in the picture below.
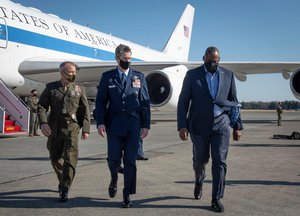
{"points": [[27, 33]]}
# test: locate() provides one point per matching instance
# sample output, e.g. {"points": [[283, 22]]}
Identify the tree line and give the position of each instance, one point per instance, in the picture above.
{"points": [[287, 105]]}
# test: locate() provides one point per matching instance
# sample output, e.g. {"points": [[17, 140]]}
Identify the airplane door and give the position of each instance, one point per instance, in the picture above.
{"points": [[3, 33]]}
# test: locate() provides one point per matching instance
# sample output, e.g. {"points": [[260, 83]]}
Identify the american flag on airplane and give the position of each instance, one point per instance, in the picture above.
{"points": [[186, 31]]}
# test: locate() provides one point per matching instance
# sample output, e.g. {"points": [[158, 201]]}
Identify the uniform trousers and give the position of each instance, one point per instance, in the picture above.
{"points": [[63, 149], [215, 143], [124, 144], [279, 119], [34, 123]]}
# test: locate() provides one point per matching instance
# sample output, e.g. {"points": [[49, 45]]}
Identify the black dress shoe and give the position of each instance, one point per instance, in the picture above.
{"points": [[112, 189], [217, 205], [141, 158], [63, 196], [198, 190], [126, 202]]}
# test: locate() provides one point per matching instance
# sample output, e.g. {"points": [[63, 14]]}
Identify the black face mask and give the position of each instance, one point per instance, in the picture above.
{"points": [[34, 95], [211, 66], [124, 64], [70, 78]]}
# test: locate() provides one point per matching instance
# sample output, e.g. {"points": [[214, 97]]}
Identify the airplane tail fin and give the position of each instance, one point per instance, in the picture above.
{"points": [[178, 44]]}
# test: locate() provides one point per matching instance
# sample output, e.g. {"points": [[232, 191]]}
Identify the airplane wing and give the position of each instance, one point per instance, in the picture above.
{"points": [[242, 69], [89, 71]]}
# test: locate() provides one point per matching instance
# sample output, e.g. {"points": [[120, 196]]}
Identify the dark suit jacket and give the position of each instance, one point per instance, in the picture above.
{"points": [[114, 102], [195, 104]]}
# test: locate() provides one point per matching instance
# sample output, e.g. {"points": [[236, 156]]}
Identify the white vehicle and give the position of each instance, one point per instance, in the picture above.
{"points": [[33, 44]]}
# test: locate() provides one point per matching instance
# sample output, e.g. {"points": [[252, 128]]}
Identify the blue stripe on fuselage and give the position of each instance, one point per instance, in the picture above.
{"points": [[42, 41]]}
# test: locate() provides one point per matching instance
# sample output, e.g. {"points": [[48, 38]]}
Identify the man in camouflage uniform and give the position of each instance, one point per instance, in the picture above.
{"points": [[65, 99], [32, 103], [279, 112]]}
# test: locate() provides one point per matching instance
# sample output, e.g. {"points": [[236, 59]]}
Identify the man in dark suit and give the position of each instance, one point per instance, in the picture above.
{"points": [[123, 112], [207, 97]]}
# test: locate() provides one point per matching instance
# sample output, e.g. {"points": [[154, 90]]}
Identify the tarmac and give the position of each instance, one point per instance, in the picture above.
{"points": [[263, 174]]}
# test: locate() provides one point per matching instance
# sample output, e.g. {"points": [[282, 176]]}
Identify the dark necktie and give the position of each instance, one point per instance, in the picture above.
{"points": [[123, 79]]}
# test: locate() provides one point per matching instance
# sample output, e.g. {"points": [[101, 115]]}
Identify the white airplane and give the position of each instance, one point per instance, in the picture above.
{"points": [[33, 44]]}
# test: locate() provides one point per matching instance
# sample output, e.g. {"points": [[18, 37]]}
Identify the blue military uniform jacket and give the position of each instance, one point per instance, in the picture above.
{"points": [[195, 104], [115, 102]]}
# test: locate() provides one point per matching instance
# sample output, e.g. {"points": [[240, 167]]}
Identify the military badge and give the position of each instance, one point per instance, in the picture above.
{"points": [[78, 88], [72, 93], [136, 82]]}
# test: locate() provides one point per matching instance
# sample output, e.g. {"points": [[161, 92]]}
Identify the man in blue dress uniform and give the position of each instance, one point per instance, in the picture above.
{"points": [[123, 113]]}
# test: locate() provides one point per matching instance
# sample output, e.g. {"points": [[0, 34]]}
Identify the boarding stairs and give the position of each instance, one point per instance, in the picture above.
{"points": [[14, 113]]}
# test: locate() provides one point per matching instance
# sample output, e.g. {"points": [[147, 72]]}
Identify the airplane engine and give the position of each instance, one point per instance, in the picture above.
{"points": [[295, 83], [164, 87]]}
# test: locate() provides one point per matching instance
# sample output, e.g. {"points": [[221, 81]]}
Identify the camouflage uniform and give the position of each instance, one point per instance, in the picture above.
{"points": [[279, 112], [33, 125], [62, 144]]}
